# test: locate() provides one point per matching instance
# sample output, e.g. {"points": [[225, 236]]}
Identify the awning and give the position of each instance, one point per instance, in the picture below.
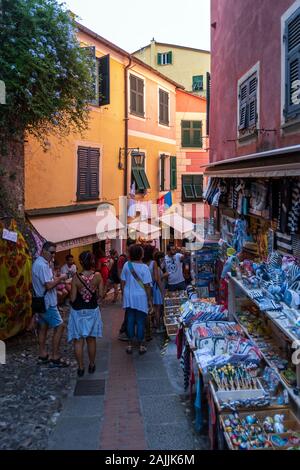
{"points": [[178, 223], [257, 167], [77, 229], [143, 229]]}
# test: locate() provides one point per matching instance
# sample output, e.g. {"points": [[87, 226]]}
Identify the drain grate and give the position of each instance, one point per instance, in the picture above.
{"points": [[89, 387]]}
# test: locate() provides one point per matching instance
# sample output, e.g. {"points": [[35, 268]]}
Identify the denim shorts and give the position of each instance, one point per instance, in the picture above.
{"points": [[50, 318]]}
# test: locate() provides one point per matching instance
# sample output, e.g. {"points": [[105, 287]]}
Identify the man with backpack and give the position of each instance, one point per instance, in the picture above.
{"points": [[121, 261]]}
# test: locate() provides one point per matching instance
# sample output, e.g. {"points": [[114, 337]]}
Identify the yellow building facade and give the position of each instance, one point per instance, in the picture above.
{"points": [[65, 184], [185, 65]]}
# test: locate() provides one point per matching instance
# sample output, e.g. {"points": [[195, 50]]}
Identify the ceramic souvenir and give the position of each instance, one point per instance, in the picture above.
{"points": [[278, 441], [251, 419]]}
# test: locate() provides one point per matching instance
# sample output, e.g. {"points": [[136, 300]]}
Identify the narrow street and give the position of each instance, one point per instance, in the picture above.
{"points": [[133, 403]]}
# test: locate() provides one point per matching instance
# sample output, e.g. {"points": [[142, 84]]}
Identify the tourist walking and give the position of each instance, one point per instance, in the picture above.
{"points": [[85, 321], [114, 278], [121, 262], [44, 286], [158, 289], [173, 262], [136, 286]]}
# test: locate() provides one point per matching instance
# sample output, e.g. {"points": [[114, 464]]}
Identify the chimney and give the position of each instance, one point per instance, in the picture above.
{"points": [[153, 61]]}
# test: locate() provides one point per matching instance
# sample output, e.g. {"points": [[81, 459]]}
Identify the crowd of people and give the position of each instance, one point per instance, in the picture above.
{"points": [[143, 274]]}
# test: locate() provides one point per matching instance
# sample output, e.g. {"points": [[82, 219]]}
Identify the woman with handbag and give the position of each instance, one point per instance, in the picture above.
{"points": [[85, 318], [136, 285]]}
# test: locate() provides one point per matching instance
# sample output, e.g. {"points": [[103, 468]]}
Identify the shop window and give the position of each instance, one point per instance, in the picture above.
{"points": [[292, 65], [191, 134], [137, 96], [88, 173], [192, 188]]}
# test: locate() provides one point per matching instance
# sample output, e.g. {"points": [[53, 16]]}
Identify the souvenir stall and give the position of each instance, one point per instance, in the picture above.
{"points": [[172, 304], [249, 404], [258, 280]]}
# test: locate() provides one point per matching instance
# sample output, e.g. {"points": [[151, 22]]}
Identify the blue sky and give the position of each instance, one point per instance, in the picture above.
{"points": [[131, 24]]}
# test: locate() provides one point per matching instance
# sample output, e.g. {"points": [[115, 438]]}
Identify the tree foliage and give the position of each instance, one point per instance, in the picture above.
{"points": [[48, 76]]}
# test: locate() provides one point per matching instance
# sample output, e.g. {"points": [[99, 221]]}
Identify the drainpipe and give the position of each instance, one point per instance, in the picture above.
{"points": [[126, 128]]}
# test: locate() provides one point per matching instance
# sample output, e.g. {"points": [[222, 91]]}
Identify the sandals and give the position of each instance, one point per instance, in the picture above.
{"points": [[60, 362], [43, 360], [92, 369], [142, 350], [129, 349]]}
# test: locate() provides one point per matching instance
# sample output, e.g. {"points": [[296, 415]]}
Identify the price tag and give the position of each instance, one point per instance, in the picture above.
{"points": [[9, 235]]}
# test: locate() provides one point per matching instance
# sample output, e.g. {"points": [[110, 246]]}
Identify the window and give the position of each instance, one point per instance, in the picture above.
{"points": [[163, 107], [138, 173], [137, 96], [168, 172], [192, 188], [101, 77], [191, 133], [248, 103], [164, 58], [292, 65], [88, 173], [197, 83]]}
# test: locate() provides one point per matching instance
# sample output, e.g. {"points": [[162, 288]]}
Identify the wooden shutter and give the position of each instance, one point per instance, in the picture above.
{"points": [[136, 96], [169, 57], [208, 86], [88, 173], [196, 134], [159, 58], [94, 155], [140, 91], [162, 161], [187, 188], [163, 107], [83, 173], [91, 53], [133, 94], [198, 186], [243, 105], [173, 170], [292, 38], [252, 100], [104, 80], [185, 133]]}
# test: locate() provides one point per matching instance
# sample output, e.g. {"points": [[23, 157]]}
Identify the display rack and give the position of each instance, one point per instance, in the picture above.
{"points": [[235, 285], [172, 304], [204, 268]]}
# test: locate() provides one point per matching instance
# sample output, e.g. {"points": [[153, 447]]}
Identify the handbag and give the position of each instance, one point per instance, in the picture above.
{"points": [[38, 304]]}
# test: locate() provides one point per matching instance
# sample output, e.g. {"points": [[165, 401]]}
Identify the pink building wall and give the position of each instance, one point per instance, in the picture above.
{"points": [[243, 33]]}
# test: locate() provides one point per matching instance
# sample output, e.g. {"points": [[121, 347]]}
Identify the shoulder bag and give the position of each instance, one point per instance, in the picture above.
{"points": [[38, 303]]}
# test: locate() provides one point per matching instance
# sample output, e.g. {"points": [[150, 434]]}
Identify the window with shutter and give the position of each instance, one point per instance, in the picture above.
{"points": [[163, 107], [248, 103], [139, 175], [91, 53], [162, 160], [208, 87], [88, 173], [136, 96], [192, 188], [173, 174], [197, 83], [159, 60], [292, 65], [104, 80], [191, 134], [164, 58]]}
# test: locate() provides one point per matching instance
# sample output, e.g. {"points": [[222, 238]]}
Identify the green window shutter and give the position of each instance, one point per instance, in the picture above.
{"points": [[144, 178], [187, 188], [158, 58], [162, 172], [198, 186], [137, 178], [104, 80], [173, 175], [197, 83], [169, 61], [196, 134], [185, 133]]}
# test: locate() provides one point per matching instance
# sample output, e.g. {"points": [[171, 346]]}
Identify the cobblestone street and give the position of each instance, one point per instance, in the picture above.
{"points": [[140, 407]]}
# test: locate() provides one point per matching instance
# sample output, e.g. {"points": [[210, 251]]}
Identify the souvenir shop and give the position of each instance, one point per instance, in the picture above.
{"points": [[238, 340]]}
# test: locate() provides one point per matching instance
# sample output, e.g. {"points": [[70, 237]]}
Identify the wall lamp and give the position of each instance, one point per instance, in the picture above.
{"points": [[123, 153]]}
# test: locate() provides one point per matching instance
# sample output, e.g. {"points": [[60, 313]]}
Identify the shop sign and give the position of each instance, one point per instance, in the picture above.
{"points": [[81, 241]]}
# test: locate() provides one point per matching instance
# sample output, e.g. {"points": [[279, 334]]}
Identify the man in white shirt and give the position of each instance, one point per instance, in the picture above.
{"points": [[44, 285], [173, 262], [70, 267]]}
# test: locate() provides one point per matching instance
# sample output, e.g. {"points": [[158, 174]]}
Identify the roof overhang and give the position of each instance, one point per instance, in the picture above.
{"points": [[270, 164]]}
